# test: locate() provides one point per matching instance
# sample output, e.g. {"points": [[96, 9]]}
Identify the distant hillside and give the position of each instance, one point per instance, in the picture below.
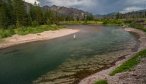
{"points": [[69, 13], [135, 14], [64, 12]]}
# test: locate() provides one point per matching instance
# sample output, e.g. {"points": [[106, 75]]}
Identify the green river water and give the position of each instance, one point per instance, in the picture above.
{"points": [[22, 64]]}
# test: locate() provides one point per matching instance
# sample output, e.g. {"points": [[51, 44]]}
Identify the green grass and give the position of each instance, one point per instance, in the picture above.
{"points": [[101, 82], [129, 64], [27, 30], [6, 33], [137, 25], [37, 29], [117, 22], [81, 22]]}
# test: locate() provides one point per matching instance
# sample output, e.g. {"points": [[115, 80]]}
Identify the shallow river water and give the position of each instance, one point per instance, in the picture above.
{"points": [[62, 58]]}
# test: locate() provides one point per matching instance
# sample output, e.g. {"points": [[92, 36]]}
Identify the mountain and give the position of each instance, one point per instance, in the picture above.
{"points": [[69, 12]]}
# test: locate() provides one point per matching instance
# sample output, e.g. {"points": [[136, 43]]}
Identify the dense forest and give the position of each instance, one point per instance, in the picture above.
{"points": [[17, 13]]}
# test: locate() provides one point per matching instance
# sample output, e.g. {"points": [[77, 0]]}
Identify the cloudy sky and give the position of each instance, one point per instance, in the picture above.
{"points": [[97, 6]]}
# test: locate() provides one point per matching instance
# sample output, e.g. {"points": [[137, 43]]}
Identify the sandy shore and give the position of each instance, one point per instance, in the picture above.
{"points": [[18, 39], [104, 74]]}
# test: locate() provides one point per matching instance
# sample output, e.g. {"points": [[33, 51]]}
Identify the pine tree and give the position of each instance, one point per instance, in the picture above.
{"points": [[20, 13], [2, 13], [36, 14], [5, 14], [47, 17], [10, 14]]}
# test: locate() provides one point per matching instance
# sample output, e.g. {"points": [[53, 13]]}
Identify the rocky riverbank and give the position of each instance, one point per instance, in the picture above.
{"points": [[126, 77]]}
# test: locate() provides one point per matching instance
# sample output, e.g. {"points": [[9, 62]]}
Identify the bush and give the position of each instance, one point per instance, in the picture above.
{"points": [[34, 23], [6, 33], [137, 25], [101, 82], [37, 29], [112, 22]]}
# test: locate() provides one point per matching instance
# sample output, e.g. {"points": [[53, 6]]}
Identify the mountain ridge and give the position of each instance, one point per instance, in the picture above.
{"points": [[68, 12]]}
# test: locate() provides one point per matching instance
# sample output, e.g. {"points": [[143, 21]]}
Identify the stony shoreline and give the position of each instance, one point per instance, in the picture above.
{"points": [[104, 74], [47, 35]]}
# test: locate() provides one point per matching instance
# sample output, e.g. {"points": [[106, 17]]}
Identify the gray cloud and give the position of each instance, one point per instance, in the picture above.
{"points": [[98, 6]]}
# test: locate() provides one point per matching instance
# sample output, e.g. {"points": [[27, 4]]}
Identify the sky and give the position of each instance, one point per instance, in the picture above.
{"points": [[98, 6]]}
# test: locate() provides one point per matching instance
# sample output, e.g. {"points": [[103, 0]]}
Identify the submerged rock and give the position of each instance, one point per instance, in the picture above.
{"points": [[72, 71]]}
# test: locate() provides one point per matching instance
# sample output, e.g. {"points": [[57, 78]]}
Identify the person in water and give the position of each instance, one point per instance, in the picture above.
{"points": [[74, 36]]}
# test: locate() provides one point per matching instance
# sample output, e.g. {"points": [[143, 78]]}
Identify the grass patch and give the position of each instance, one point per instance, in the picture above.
{"points": [[6, 33], [27, 30], [117, 22], [37, 29], [101, 82], [80, 22], [129, 64]]}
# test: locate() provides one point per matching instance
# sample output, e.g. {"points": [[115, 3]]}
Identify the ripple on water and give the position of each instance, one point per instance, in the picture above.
{"points": [[73, 70]]}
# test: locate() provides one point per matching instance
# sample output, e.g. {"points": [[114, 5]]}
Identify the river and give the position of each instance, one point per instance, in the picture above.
{"points": [[62, 58]]}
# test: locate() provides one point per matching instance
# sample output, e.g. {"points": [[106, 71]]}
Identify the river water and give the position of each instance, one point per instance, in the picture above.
{"points": [[61, 58]]}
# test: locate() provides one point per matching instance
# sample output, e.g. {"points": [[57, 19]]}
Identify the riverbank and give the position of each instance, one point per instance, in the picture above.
{"points": [[47, 35], [104, 74]]}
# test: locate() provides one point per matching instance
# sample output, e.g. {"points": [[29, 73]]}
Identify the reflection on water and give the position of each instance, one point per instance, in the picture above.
{"points": [[93, 48]]}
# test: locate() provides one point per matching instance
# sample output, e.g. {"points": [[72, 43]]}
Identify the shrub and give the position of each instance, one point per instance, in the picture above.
{"points": [[137, 25], [6, 33], [112, 22], [34, 23], [101, 82], [37, 29]]}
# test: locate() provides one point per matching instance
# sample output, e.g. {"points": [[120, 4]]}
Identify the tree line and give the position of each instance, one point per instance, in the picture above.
{"points": [[17, 13], [130, 15]]}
